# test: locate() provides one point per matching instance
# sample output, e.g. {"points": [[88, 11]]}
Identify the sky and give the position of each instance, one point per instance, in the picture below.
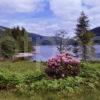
{"points": [[45, 17]]}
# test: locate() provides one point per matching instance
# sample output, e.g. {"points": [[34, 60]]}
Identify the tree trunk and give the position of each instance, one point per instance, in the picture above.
{"points": [[84, 52]]}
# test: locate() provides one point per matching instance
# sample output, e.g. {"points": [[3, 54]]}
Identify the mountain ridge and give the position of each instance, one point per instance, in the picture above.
{"points": [[96, 31]]}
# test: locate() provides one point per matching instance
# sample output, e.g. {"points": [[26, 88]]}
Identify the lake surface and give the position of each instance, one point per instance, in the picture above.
{"points": [[43, 53], [46, 52], [97, 50]]}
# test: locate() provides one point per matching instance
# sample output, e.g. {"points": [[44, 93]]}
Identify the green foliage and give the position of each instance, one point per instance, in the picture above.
{"points": [[8, 81], [28, 81], [86, 39], [21, 36], [8, 47], [15, 39], [31, 78], [27, 78]]}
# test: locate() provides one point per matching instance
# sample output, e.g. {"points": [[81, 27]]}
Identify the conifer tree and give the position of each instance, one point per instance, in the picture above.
{"points": [[84, 36]]}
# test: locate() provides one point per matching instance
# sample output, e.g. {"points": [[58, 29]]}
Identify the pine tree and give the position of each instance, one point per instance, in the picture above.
{"points": [[22, 39], [84, 36]]}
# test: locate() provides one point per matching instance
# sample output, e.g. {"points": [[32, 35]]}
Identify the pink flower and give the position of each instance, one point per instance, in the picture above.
{"points": [[66, 58]]}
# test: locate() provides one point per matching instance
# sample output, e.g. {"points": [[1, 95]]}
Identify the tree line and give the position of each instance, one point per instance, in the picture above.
{"points": [[14, 41]]}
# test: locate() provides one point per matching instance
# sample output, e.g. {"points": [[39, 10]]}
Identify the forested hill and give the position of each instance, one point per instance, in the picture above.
{"points": [[97, 34], [42, 40], [96, 31], [2, 29]]}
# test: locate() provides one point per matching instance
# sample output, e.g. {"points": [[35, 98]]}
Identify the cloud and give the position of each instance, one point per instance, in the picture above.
{"points": [[66, 9], [69, 11], [21, 5], [92, 9], [65, 14], [42, 27], [91, 3], [46, 27]]}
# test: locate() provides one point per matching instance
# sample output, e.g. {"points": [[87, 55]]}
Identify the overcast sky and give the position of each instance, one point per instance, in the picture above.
{"points": [[46, 16]]}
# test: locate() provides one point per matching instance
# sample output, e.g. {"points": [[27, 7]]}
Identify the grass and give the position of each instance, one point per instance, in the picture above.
{"points": [[32, 84], [21, 67], [50, 96]]}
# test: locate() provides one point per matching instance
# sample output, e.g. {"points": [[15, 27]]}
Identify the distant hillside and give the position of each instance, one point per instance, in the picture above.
{"points": [[2, 29], [96, 31], [47, 40], [42, 40]]}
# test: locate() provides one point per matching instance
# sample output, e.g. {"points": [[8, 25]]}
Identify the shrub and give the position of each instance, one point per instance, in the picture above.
{"points": [[33, 77], [63, 65], [8, 81], [8, 47]]}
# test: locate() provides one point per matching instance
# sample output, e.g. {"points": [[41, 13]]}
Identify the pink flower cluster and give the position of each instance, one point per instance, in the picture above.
{"points": [[63, 59]]}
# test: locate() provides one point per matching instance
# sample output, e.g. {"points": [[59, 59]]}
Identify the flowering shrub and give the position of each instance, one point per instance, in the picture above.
{"points": [[63, 65]]}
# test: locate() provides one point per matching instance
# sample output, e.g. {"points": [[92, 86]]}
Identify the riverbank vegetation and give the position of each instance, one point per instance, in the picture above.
{"points": [[14, 41], [26, 79]]}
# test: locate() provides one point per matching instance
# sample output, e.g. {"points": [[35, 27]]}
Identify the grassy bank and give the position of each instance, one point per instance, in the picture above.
{"points": [[26, 81]]}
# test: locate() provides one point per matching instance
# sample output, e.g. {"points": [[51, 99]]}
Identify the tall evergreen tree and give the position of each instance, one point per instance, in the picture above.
{"points": [[22, 39], [16, 33], [84, 36]]}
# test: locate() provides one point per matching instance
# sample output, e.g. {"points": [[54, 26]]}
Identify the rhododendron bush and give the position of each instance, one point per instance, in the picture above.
{"points": [[63, 65]]}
